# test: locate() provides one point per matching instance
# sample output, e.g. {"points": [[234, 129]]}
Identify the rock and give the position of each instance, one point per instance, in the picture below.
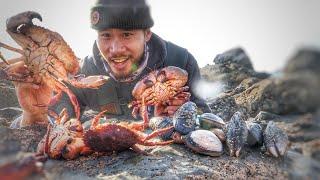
{"points": [[231, 67], [298, 93], [305, 59], [15, 140], [8, 96], [224, 106], [302, 167], [10, 112], [263, 115]]}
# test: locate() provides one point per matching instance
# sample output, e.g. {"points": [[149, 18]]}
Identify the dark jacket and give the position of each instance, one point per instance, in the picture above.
{"points": [[116, 95]]}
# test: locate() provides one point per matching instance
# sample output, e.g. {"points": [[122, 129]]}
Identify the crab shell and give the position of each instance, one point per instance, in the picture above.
{"points": [[158, 82], [63, 139]]}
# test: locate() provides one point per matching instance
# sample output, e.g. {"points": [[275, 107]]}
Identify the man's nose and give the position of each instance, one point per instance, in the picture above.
{"points": [[116, 47]]}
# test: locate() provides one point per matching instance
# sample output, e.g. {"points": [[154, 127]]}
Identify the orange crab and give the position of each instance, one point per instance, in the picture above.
{"points": [[158, 87], [48, 58], [67, 138]]}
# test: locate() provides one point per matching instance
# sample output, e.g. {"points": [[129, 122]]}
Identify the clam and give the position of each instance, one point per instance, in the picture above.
{"points": [[237, 134], [219, 133], [209, 120], [204, 142], [185, 118]]}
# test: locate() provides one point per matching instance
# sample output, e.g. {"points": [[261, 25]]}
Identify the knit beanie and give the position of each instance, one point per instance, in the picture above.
{"points": [[121, 14]]}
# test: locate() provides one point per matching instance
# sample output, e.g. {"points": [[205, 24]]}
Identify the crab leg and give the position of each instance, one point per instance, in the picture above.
{"points": [[158, 132], [153, 143], [73, 98], [11, 48], [136, 149], [3, 59], [144, 113], [95, 121], [93, 82]]}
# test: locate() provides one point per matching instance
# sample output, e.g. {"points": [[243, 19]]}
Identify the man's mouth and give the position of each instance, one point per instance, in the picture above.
{"points": [[119, 59]]}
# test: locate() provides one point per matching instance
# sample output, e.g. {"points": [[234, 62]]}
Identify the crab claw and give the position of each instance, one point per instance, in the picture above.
{"points": [[22, 18], [237, 134], [275, 140]]}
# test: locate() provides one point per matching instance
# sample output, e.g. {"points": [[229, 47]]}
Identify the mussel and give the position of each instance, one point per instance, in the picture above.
{"points": [[237, 133], [185, 118]]}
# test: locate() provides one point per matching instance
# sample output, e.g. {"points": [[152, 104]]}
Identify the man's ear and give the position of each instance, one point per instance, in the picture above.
{"points": [[147, 34]]}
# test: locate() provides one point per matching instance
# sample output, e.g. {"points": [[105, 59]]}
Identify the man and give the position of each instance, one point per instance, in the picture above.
{"points": [[126, 50]]}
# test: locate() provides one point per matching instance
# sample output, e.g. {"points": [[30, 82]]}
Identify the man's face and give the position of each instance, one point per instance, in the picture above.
{"points": [[122, 49]]}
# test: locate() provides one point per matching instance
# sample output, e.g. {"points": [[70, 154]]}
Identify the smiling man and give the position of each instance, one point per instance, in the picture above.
{"points": [[126, 50]]}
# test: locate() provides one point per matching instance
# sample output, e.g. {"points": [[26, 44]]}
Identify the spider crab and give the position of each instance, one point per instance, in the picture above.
{"points": [[157, 88], [47, 57], [67, 138]]}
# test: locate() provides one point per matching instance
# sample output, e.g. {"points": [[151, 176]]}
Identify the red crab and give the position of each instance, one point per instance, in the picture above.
{"points": [[157, 88], [48, 58], [67, 138]]}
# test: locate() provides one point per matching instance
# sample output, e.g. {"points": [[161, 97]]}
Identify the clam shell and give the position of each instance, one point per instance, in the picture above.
{"points": [[209, 120], [204, 142], [219, 133], [160, 123], [185, 118]]}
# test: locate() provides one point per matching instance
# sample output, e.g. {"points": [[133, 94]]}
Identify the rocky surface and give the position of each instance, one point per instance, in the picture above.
{"points": [[231, 67], [294, 90], [8, 95], [290, 99]]}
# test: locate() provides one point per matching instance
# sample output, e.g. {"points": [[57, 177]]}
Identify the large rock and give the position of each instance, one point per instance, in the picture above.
{"points": [[296, 90], [231, 67], [304, 59], [298, 93]]}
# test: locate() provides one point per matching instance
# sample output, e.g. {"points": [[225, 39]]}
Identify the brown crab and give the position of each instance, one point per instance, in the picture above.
{"points": [[157, 88], [47, 56], [23, 168], [67, 138]]}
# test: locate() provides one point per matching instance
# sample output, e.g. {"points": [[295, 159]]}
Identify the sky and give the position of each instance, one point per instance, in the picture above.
{"points": [[270, 31]]}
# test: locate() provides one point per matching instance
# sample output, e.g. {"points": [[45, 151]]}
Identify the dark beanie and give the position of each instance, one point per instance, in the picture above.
{"points": [[121, 14]]}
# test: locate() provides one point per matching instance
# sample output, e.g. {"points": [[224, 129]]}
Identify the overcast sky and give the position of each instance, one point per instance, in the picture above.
{"points": [[269, 30]]}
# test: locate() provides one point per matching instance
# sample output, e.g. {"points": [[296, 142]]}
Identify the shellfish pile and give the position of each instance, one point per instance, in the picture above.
{"points": [[206, 133]]}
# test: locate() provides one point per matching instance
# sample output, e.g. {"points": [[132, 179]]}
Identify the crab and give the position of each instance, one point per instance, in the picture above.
{"points": [[48, 58], [157, 88], [67, 139], [23, 168]]}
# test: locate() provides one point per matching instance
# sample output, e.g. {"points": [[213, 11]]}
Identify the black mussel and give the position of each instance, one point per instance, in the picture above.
{"points": [[204, 142], [275, 140], [160, 123], [237, 133], [185, 118], [209, 120], [254, 134]]}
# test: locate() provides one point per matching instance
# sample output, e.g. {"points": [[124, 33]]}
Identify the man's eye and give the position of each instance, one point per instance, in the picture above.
{"points": [[127, 34], [105, 35]]}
